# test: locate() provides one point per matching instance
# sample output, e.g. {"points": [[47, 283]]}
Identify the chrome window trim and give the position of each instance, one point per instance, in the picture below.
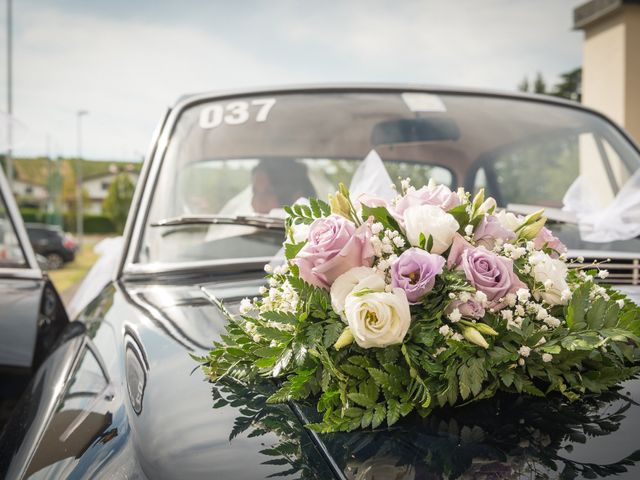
{"points": [[18, 227], [21, 273], [140, 207], [231, 264], [613, 255], [131, 225]]}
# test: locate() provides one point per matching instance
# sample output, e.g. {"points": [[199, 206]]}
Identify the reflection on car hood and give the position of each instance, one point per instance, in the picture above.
{"points": [[505, 437]]}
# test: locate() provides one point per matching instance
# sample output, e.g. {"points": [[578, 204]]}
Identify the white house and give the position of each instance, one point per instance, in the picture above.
{"points": [[33, 192], [97, 188]]}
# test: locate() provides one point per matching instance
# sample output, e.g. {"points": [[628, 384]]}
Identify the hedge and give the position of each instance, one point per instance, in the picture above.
{"points": [[32, 215], [98, 224], [92, 224]]}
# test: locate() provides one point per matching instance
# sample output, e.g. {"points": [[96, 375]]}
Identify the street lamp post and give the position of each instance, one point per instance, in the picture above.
{"points": [[9, 162], [79, 206]]}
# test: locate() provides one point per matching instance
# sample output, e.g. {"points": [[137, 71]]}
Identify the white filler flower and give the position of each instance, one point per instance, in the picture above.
{"points": [[378, 319], [430, 220]]}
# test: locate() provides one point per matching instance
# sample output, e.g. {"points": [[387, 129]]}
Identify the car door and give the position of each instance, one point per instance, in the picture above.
{"points": [[31, 313]]}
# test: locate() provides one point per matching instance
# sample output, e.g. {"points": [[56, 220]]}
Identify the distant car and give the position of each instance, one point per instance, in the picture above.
{"points": [[121, 397], [52, 243]]}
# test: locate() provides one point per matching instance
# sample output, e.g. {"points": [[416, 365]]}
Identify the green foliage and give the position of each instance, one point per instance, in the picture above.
{"points": [[98, 224], [116, 204], [32, 215]]}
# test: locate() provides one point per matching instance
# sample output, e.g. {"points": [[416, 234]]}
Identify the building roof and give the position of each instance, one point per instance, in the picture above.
{"points": [[594, 10]]}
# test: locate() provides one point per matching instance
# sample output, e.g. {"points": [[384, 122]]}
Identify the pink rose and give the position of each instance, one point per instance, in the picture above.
{"points": [[458, 246], [440, 196], [546, 238], [335, 245]]}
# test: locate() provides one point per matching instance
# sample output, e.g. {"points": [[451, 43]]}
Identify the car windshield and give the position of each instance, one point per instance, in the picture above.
{"points": [[249, 156]]}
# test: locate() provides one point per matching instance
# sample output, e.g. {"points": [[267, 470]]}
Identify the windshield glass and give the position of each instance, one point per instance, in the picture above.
{"points": [[252, 155]]}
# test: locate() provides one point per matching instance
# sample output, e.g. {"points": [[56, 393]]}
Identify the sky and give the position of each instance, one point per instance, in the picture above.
{"points": [[126, 61]]}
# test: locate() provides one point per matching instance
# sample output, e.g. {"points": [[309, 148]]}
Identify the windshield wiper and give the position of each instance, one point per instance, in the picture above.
{"points": [[258, 221]]}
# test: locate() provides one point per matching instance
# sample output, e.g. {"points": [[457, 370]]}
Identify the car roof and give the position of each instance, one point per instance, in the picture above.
{"points": [[378, 87], [43, 226]]}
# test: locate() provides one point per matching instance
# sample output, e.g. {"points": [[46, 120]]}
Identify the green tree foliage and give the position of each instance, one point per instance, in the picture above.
{"points": [[539, 84], [116, 205], [570, 85]]}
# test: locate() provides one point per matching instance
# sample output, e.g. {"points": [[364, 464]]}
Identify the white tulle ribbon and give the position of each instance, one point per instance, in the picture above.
{"points": [[620, 220]]}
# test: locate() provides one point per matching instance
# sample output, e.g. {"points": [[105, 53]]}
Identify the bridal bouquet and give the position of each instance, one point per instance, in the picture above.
{"points": [[432, 299]]}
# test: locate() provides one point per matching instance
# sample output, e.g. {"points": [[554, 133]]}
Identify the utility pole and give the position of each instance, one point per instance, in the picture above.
{"points": [[79, 207], [9, 157]]}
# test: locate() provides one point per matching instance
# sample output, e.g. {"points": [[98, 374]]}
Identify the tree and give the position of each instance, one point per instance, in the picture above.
{"points": [[570, 85], [539, 85], [69, 198], [523, 86], [116, 204]]}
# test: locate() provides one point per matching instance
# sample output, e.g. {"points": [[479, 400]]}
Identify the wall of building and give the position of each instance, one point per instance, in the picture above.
{"points": [[603, 72], [29, 191], [611, 70], [632, 74]]}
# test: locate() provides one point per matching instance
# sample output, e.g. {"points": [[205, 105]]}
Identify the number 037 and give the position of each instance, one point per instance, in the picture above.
{"points": [[236, 112]]}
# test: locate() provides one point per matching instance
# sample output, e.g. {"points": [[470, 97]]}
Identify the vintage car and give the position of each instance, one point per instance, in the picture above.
{"points": [[31, 313], [121, 395]]}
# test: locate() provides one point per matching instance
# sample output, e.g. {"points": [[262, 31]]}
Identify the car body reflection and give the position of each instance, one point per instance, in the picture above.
{"points": [[505, 437]]}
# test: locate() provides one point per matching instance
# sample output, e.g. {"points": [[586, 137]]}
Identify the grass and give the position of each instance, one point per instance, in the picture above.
{"points": [[72, 273]]}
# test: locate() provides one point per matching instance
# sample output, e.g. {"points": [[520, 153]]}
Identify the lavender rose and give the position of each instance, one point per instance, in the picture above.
{"points": [[415, 272], [489, 230], [546, 237], [335, 245], [491, 274]]}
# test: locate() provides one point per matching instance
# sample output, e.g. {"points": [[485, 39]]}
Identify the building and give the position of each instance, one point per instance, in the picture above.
{"points": [[611, 59], [28, 192], [97, 188], [39, 183]]}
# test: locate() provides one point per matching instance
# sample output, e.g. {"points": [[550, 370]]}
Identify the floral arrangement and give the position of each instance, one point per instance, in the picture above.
{"points": [[431, 299]]}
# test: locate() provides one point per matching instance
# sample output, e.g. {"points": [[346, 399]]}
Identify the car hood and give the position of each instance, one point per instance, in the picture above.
{"points": [[505, 437], [162, 419]]}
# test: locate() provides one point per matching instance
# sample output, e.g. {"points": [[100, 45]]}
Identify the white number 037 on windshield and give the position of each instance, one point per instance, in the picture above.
{"points": [[236, 112]]}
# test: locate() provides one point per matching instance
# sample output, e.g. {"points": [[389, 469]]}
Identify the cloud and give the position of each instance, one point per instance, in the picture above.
{"points": [[123, 73], [127, 61]]}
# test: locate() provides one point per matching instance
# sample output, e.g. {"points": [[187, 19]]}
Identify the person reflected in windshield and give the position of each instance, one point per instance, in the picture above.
{"points": [[278, 182]]}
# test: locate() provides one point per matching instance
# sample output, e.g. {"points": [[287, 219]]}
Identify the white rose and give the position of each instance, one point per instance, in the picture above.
{"points": [[430, 220], [378, 319], [300, 232], [552, 273], [508, 220], [356, 278]]}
